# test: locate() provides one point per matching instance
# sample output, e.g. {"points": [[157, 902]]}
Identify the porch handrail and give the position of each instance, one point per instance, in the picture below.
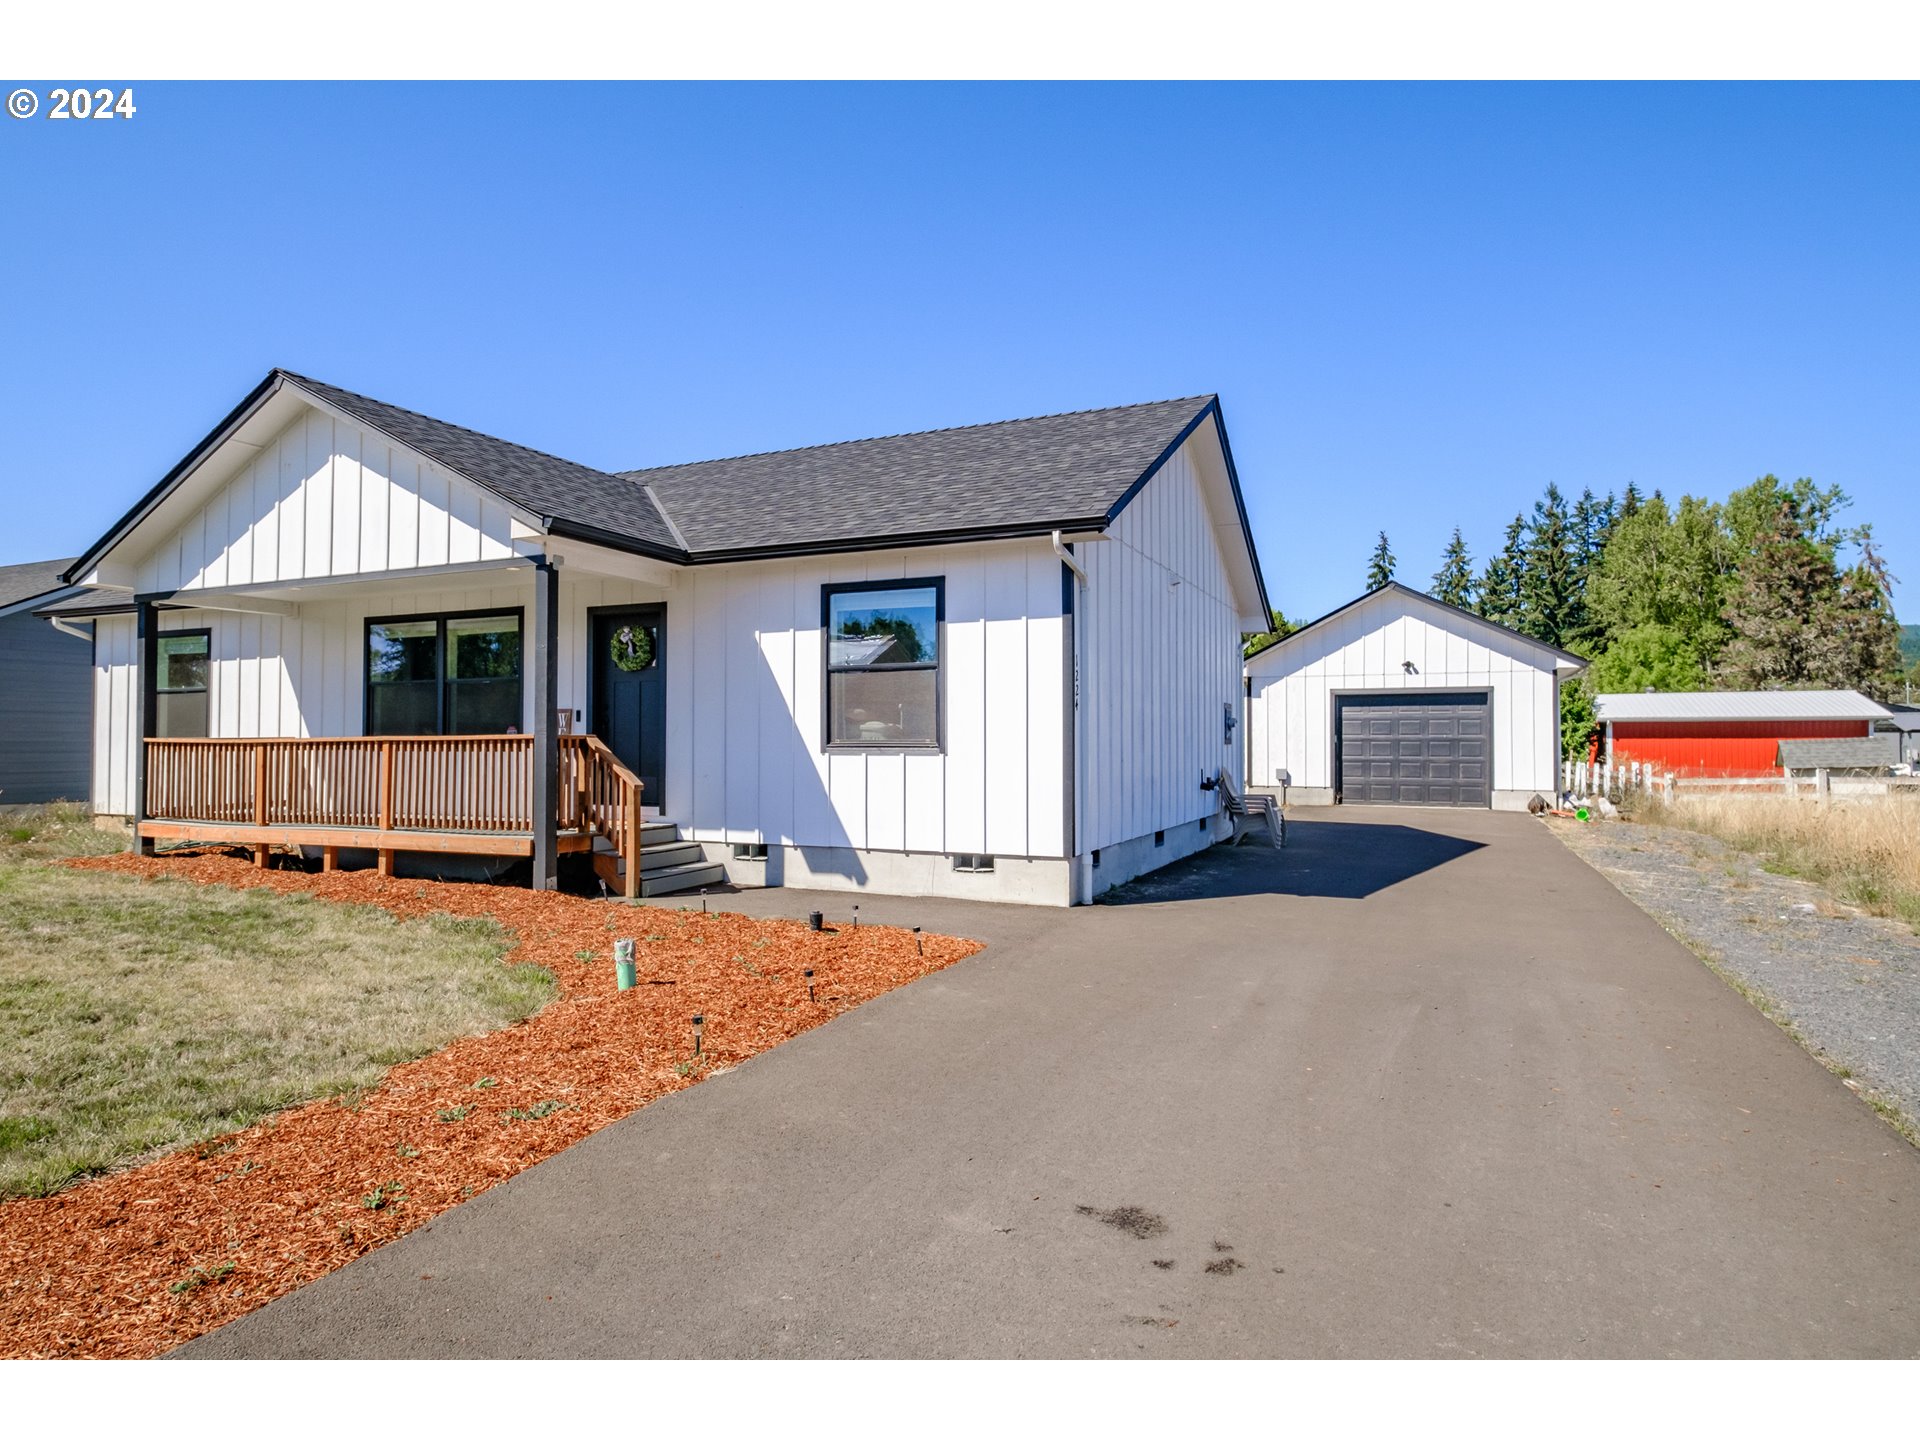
{"points": [[391, 786], [603, 796], [383, 782]]}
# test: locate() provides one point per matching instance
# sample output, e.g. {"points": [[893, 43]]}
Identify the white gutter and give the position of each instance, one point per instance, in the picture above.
{"points": [[1066, 558], [67, 627]]}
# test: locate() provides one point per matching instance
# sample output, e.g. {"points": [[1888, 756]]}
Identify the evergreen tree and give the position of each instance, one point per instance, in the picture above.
{"points": [[1550, 607], [1453, 581], [1859, 639], [1798, 618], [1630, 500], [1380, 567], [1785, 593], [1498, 597], [1593, 525]]}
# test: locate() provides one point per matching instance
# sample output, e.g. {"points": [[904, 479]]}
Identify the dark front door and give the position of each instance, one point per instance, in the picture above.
{"points": [[629, 650], [1413, 749]]}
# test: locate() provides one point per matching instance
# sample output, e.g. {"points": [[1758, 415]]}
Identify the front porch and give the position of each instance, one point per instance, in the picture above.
{"points": [[392, 794]]}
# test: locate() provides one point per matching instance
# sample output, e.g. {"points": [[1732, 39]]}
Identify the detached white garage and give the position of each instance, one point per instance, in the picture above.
{"points": [[1400, 699]]}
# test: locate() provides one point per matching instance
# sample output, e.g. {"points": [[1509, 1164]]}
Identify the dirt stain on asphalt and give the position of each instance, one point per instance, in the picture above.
{"points": [[1225, 1266], [1140, 1224]]}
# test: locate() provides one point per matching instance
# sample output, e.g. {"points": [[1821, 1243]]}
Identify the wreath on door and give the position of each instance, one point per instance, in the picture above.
{"points": [[632, 647]]}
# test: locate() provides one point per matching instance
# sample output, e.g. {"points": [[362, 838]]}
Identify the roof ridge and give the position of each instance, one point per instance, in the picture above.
{"points": [[448, 424], [915, 434]]}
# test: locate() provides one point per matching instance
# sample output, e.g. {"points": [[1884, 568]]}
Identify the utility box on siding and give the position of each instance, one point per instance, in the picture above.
{"points": [[1399, 699]]}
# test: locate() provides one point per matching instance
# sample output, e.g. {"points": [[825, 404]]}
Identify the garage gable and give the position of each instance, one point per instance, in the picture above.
{"points": [[1395, 623]]}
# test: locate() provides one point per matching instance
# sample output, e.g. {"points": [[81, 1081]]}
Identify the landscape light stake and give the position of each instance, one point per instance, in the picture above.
{"points": [[918, 948], [856, 917], [703, 902], [809, 985], [698, 1021]]}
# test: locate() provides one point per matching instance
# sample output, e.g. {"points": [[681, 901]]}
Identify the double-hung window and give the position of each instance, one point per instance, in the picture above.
{"points": [[444, 674], [883, 664]]}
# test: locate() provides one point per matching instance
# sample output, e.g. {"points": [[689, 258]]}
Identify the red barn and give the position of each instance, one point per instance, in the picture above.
{"points": [[1726, 732]]}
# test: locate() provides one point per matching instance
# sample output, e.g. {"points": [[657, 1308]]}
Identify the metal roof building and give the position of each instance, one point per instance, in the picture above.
{"points": [[1727, 732]]}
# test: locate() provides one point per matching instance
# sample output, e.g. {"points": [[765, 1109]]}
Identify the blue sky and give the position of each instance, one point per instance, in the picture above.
{"points": [[1418, 303]]}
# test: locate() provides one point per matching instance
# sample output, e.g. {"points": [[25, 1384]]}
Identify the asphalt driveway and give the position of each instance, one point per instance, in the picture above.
{"points": [[1421, 1085]]}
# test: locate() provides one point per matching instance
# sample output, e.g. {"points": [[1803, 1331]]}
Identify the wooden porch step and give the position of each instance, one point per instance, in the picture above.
{"points": [[660, 855], [668, 864]]}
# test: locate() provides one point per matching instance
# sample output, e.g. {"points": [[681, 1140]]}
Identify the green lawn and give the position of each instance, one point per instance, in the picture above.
{"points": [[136, 1017]]}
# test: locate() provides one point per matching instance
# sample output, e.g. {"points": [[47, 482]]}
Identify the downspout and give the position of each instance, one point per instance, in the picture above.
{"points": [[1076, 755], [67, 627]]}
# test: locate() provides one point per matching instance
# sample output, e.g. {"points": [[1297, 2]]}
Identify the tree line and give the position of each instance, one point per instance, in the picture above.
{"points": [[1766, 590]]}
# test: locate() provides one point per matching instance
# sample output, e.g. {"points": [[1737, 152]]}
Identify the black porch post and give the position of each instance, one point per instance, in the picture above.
{"points": [[145, 656], [546, 739]]}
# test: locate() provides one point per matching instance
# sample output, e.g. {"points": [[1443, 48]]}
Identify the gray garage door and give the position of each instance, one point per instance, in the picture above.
{"points": [[1413, 750]]}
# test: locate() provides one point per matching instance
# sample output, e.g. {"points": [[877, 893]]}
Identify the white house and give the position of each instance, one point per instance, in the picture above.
{"points": [[994, 661], [1400, 699]]}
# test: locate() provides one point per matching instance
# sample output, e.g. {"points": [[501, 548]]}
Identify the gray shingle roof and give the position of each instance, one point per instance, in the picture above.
{"points": [[1050, 472], [23, 582], [544, 484], [1008, 478], [1870, 752], [90, 602]]}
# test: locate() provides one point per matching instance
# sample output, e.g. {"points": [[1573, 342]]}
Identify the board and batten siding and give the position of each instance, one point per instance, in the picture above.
{"points": [[745, 673], [1159, 664], [747, 713], [304, 675], [1365, 650], [327, 497], [45, 707]]}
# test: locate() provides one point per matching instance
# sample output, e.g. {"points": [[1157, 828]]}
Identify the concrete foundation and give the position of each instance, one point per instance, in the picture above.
{"points": [[1013, 880], [1133, 858]]}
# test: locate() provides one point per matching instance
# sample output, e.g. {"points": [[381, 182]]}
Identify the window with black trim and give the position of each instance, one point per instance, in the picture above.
{"points": [[181, 663], [883, 663], [457, 674]]}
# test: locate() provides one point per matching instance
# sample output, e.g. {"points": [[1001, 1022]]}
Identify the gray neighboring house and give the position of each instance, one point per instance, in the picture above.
{"points": [[1905, 724], [46, 692]]}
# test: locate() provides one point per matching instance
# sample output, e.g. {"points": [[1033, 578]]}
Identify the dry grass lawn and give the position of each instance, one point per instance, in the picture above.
{"points": [[1864, 850], [137, 1017]]}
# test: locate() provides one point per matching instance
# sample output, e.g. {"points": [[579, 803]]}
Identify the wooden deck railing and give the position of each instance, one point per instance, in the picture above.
{"points": [[603, 797], [471, 793]]}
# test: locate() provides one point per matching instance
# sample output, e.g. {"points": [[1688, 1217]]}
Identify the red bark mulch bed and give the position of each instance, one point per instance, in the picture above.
{"points": [[135, 1263]]}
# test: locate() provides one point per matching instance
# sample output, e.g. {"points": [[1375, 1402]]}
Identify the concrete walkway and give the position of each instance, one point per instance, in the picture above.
{"points": [[1423, 1084]]}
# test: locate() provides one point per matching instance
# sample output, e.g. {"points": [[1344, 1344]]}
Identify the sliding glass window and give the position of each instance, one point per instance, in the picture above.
{"points": [[444, 675]]}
